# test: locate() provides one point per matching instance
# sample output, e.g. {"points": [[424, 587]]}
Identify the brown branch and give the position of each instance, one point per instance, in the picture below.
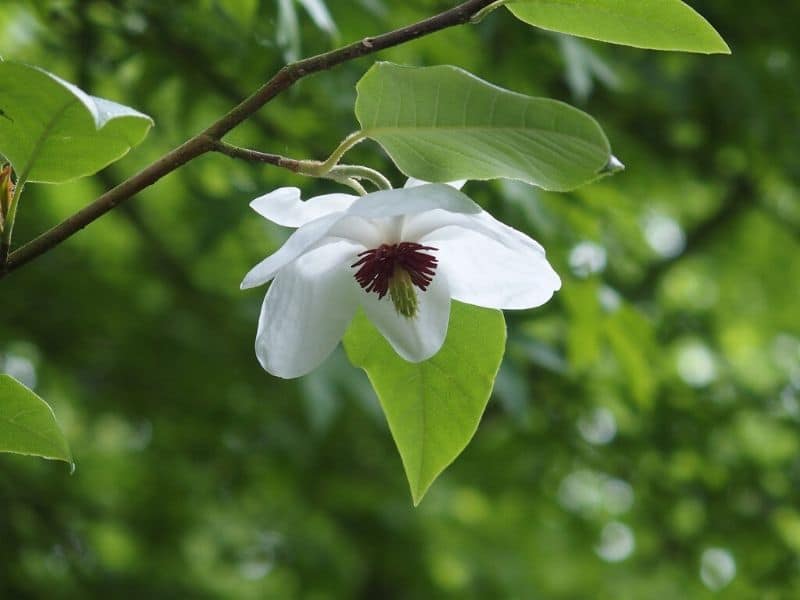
{"points": [[256, 156], [205, 141]]}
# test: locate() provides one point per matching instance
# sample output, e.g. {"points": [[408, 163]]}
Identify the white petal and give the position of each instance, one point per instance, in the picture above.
{"points": [[284, 206], [483, 271], [370, 234], [307, 310], [423, 225], [414, 182], [399, 202], [421, 337], [300, 241], [375, 206]]}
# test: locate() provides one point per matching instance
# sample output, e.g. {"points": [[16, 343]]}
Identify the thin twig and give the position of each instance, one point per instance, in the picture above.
{"points": [[256, 156], [346, 174], [204, 142]]}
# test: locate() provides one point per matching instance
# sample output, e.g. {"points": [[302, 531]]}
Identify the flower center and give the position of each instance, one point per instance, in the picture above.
{"points": [[395, 269]]}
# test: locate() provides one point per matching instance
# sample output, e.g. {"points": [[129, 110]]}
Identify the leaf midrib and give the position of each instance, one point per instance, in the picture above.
{"points": [[41, 140], [397, 130], [424, 400]]}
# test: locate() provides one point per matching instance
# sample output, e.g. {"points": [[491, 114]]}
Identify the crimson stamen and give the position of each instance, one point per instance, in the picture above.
{"points": [[377, 266]]}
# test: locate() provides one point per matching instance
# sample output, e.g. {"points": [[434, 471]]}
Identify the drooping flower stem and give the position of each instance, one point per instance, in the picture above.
{"points": [[483, 13], [344, 174], [347, 143], [376, 178], [350, 182]]}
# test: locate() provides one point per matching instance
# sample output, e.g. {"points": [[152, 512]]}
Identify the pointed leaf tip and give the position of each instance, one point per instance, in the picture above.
{"points": [[28, 425], [433, 408], [614, 165]]}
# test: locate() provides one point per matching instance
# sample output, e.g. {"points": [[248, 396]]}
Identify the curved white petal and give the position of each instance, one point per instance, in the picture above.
{"points": [[378, 206], [485, 223], [421, 337], [399, 202], [370, 234], [484, 271], [284, 206], [414, 182], [425, 224], [307, 310], [298, 243]]}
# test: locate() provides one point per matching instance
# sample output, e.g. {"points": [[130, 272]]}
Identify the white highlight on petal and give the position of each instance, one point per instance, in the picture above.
{"points": [[307, 310], [415, 339], [284, 206]]}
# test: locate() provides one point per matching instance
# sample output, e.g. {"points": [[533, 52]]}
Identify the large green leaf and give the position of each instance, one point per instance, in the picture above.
{"points": [[433, 407], [53, 132], [654, 24], [442, 124], [27, 423]]}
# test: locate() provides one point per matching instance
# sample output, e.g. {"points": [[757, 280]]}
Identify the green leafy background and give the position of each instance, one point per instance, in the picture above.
{"points": [[644, 429]]}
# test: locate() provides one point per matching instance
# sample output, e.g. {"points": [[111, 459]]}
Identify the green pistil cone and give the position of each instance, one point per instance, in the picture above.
{"points": [[403, 294]]}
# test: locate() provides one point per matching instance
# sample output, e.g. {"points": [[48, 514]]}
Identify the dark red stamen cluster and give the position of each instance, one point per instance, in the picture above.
{"points": [[378, 266]]}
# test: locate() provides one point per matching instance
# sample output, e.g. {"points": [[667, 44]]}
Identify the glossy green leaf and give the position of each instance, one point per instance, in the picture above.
{"points": [[433, 407], [442, 124], [52, 132], [653, 24], [27, 423]]}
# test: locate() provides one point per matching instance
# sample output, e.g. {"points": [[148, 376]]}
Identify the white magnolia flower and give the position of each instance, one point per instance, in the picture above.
{"points": [[401, 255]]}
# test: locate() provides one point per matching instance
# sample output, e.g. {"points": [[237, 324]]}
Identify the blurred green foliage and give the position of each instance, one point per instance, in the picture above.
{"points": [[642, 441]]}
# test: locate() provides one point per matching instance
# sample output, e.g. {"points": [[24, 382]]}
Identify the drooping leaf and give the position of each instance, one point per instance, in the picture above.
{"points": [[442, 124], [27, 423], [433, 407], [53, 132], [653, 24]]}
